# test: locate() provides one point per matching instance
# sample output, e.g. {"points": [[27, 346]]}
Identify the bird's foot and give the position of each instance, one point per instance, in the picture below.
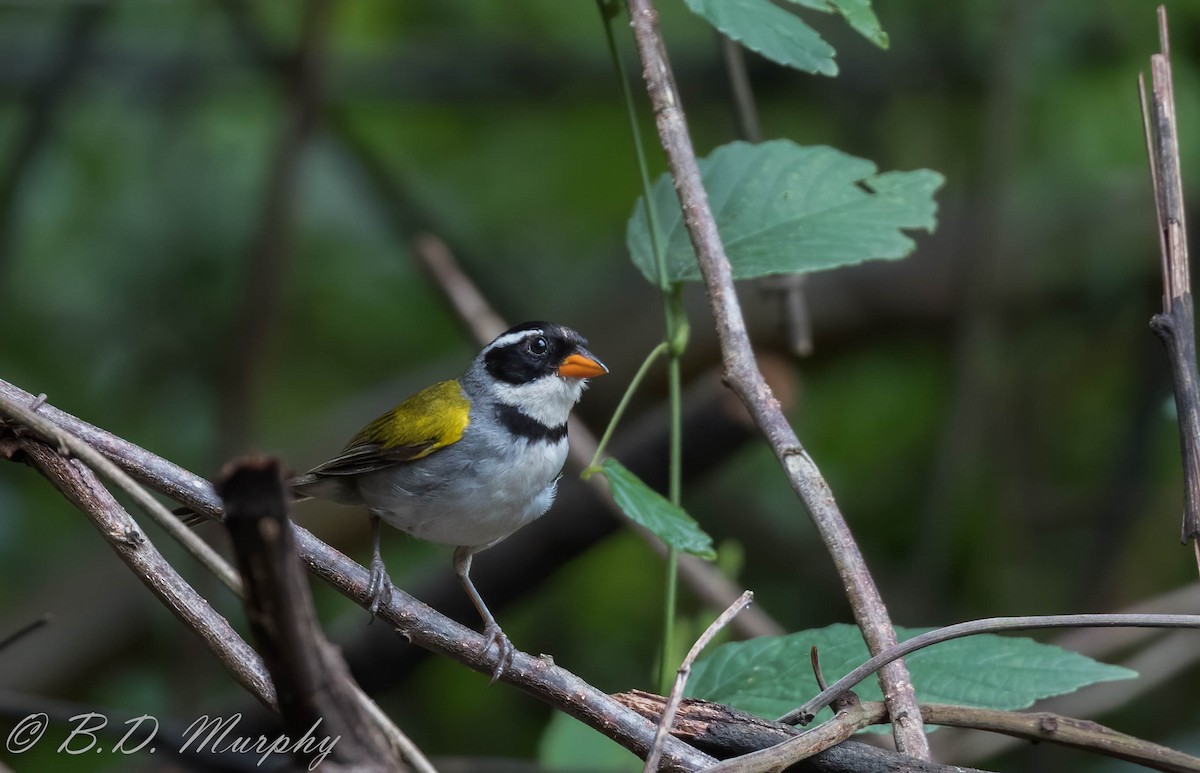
{"points": [[504, 650], [379, 591]]}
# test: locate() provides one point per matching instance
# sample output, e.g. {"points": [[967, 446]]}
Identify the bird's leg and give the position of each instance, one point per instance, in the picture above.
{"points": [[491, 629], [380, 589]]}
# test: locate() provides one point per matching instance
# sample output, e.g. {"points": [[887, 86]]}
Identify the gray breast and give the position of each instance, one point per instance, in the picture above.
{"points": [[474, 492]]}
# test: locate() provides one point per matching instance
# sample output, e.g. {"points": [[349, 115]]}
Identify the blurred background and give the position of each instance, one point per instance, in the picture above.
{"points": [[206, 221]]}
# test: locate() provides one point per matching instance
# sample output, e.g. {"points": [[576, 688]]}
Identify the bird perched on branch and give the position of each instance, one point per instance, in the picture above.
{"points": [[467, 462]]}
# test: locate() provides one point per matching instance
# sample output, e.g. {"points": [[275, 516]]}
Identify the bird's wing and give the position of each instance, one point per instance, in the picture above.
{"points": [[430, 420]]}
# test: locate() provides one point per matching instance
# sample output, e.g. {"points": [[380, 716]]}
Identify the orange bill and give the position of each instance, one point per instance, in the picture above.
{"points": [[580, 365]]}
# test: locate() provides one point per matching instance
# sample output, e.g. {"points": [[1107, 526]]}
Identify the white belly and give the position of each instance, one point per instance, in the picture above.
{"points": [[452, 498]]}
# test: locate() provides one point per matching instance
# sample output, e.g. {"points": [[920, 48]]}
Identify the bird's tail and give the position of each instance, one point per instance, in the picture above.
{"points": [[189, 516], [192, 518]]}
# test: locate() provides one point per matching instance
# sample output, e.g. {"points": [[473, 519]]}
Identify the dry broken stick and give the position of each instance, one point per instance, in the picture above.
{"points": [[318, 699], [729, 734], [684, 671], [1176, 324], [746, 380]]}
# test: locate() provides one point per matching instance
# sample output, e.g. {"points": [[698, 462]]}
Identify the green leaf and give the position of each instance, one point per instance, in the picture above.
{"points": [[862, 18], [784, 208], [771, 31], [568, 744], [857, 13], [771, 675], [650, 509]]}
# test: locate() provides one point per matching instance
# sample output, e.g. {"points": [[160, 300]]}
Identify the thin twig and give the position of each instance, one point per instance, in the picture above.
{"points": [[844, 724], [805, 713], [16, 410], [1080, 734], [1039, 726], [536, 675], [709, 585], [745, 378], [745, 111], [472, 308], [1157, 665], [751, 743], [726, 732], [79, 484], [411, 619], [814, 659], [24, 631], [1175, 326], [787, 289], [684, 671]]}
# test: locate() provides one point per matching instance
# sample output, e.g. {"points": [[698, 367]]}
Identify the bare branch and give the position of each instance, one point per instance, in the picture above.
{"points": [[1066, 731], [727, 733], [1176, 324], [1158, 659], [413, 620], [474, 310], [79, 485], [745, 111], [746, 379], [685, 670], [844, 724], [15, 408]]}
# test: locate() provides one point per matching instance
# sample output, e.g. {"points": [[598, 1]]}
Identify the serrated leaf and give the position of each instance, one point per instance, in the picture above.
{"points": [[771, 675], [771, 31], [785, 208], [857, 13], [862, 18], [652, 510]]}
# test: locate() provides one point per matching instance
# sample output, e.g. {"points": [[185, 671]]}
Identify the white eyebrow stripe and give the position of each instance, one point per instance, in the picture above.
{"points": [[511, 338]]}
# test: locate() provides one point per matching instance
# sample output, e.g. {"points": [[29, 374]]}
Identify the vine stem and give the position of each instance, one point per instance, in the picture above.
{"points": [[745, 378], [684, 671], [676, 335], [636, 381]]}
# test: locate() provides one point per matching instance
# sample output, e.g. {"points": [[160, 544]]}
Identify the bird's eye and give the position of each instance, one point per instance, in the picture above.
{"points": [[538, 346]]}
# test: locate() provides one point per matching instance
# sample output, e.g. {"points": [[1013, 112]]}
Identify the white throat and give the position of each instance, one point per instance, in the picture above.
{"points": [[548, 400]]}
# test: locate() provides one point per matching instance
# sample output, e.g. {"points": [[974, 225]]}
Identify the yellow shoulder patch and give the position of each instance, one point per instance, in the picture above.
{"points": [[431, 419]]}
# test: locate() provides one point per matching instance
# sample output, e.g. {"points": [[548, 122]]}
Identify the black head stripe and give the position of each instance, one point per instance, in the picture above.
{"points": [[513, 363], [527, 427]]}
